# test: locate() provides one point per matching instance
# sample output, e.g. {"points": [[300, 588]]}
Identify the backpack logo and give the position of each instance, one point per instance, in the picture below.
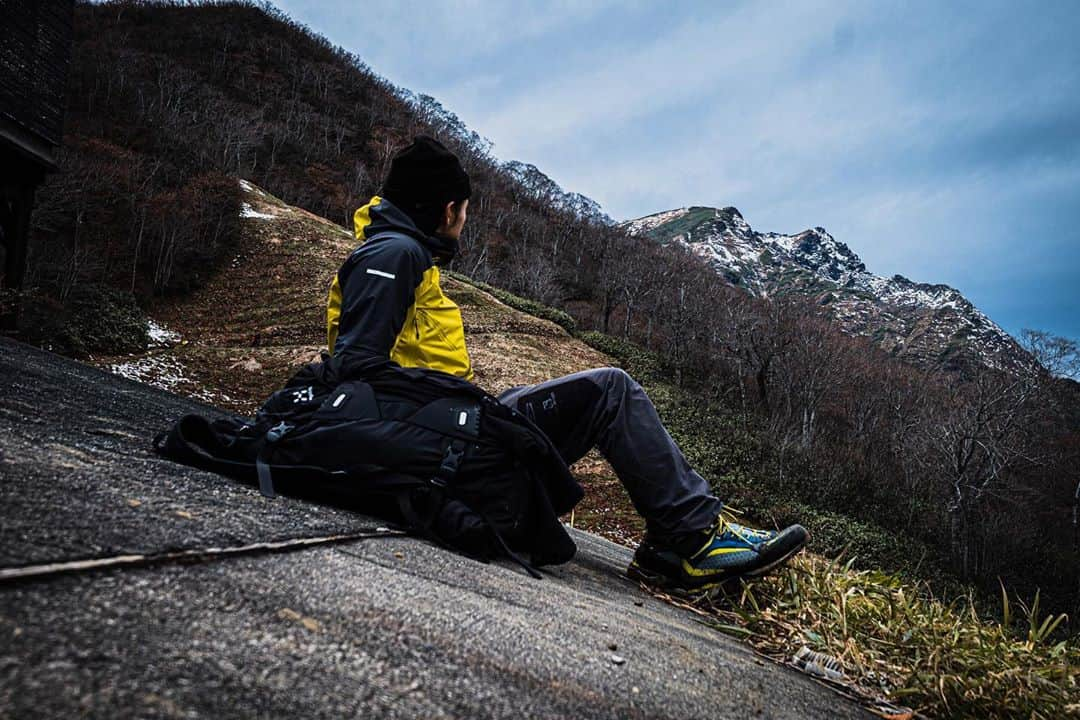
{"points": [[306, 395]]}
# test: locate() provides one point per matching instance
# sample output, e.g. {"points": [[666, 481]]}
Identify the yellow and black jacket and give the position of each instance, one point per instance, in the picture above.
{"points": [[386, 301]]}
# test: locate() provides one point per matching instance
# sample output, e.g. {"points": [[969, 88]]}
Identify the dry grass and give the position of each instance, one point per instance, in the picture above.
{"points": [[896, 641]]}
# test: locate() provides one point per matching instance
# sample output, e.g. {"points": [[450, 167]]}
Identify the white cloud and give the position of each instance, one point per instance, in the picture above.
{"points": [[716, 54], [454, 29]]}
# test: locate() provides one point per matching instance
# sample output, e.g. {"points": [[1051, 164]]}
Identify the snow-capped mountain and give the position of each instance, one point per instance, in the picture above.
{"points": [[926, 324]]}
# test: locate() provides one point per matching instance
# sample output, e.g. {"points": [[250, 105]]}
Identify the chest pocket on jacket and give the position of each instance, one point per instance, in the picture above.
{"points": [[433, 335], [444, 323]]}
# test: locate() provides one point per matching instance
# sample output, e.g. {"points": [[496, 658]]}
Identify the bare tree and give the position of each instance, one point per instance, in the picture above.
{"points": [[980, 433]]}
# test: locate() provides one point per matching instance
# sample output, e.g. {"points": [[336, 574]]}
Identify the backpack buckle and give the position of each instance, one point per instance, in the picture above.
{"points": [[275, 433], [451, 461]]}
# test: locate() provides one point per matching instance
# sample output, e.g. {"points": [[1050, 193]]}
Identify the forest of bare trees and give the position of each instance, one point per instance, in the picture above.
{"points": [[170, 103]]}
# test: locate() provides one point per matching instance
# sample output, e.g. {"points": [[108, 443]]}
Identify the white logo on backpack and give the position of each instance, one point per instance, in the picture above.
{"points": [[306, 395]]}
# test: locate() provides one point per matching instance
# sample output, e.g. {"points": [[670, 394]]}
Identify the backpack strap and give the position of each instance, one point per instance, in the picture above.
{"points": [[525, 565], [437, 484], [436, 497], [262, 468], [262, 460]]}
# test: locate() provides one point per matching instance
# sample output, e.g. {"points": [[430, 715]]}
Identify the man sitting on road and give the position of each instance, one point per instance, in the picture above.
{"points": [[385, 301]]}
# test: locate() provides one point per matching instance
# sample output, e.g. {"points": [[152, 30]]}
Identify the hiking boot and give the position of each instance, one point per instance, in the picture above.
{"points": [[709, 558]]}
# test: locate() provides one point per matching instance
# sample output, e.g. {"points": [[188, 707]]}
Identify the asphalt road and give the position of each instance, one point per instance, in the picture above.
{"points": [[382, 627]]}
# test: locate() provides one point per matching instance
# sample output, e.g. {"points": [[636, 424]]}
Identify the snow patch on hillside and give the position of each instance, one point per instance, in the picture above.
{"points": [[160, 336], [642, 225], [249, 212], [262, 205], [166, 372]]}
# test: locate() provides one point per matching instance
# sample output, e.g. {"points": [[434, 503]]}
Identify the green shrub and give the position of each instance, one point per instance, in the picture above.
{"points": [[867, 545], [525, 305], [643, 365], [95, 319]]}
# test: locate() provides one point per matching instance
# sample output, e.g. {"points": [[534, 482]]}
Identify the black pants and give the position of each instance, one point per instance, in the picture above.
{"points": [[608, 409]]}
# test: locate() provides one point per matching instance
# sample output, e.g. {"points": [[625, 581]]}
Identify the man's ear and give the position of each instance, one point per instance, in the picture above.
{"points": [[449, 214]]}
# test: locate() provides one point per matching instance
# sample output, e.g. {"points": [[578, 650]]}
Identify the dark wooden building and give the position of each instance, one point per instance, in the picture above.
{"points": [[35, 50]]}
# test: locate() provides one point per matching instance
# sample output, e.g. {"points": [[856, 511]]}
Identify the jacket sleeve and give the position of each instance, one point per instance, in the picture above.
{"points": [[378, 286]]}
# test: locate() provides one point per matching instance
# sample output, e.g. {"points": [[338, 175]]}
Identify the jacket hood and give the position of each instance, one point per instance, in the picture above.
{"points": [[380, 216]]}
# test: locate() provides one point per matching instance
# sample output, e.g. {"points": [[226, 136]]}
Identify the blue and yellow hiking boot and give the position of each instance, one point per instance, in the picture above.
{"points": [[709, 558]]}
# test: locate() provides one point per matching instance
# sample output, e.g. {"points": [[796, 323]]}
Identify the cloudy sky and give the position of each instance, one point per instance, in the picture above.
{"points": [[941, 143]]}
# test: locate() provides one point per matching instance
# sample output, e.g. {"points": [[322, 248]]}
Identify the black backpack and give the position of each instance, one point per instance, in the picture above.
{"points": [[418, 447]]}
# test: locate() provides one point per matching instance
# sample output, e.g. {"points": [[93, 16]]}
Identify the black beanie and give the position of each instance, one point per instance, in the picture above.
{"points": [[425, 174]]}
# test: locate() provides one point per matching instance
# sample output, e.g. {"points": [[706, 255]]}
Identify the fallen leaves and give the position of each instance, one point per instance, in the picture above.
{"points": [[306, 621]]}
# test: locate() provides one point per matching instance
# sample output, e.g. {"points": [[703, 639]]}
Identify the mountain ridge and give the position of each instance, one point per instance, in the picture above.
{"points": [[930, 324]]}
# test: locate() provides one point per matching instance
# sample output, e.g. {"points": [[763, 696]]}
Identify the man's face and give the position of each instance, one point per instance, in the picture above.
{"points": [[453, 222]]}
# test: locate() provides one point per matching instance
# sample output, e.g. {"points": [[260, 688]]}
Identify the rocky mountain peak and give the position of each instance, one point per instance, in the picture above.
{"points": [[927, 323], [822, 253], [725, 221]]}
